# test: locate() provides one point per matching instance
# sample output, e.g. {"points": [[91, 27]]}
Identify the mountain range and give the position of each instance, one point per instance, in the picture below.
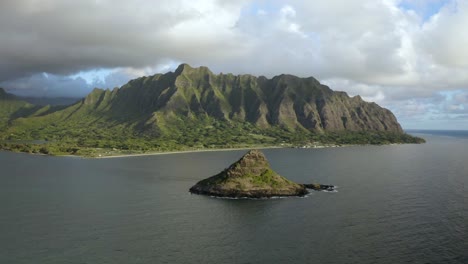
{"points": [[195, 107]]}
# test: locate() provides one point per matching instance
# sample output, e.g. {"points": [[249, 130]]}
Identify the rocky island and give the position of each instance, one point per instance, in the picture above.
{"points": [[250, 177]]}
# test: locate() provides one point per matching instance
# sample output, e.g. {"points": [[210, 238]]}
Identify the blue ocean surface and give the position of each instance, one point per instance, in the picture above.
{"points": [[447, 133], [394, 204]]}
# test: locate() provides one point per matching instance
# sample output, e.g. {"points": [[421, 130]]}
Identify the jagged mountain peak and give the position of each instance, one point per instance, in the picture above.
{"points": [[187, 69], [183, 67]]}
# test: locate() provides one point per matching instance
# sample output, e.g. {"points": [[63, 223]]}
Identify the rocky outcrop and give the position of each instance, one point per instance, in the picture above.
{"points": [[249, 177], [319, 187]]}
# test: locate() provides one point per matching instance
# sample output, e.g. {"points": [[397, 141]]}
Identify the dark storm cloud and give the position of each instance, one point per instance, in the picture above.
{"points": [[64, 37], [46, 85]]}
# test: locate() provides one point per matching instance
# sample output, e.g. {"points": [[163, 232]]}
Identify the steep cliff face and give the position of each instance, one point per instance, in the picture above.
{"points": [[305, 103], [286, 101]]}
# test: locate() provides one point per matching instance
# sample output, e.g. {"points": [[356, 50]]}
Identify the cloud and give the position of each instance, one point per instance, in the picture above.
{"points": [[52, 85], [403, 54], [63, 37], [461, 98], [444, 37], [44, 85]]}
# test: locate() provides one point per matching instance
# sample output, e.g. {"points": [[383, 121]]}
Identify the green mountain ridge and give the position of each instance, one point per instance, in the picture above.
{"points": [[285, 100], [12, 107], [195, 108]]}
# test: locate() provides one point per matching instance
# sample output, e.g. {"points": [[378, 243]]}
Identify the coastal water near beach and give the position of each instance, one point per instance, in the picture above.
{"points": [[394, 204]]}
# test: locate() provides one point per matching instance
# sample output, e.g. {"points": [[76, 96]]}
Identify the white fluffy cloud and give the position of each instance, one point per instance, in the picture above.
{"points": [[408, 55], [444, 37]]}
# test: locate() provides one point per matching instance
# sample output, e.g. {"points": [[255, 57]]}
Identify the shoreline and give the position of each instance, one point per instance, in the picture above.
{"points": [[123, 155], [177, 152], [198, 151], [214, 150], [172, 152]]}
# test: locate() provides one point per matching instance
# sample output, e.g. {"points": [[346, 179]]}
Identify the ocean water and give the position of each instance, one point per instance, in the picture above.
{"points": [[395, 204], [442, 133]]}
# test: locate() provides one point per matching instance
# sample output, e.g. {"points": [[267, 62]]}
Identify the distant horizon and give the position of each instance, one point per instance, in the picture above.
{"points": [[430, 129]]}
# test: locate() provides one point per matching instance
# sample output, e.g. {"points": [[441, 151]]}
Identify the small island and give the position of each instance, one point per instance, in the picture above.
{"points": [[251, 177]]}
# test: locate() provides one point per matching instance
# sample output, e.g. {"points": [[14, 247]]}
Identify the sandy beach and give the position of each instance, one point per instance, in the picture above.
{"points": [[182, 152]]}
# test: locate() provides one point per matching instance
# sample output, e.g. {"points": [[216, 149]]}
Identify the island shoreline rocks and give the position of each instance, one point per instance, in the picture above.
{"points": [[250, 195], [319, 187]]}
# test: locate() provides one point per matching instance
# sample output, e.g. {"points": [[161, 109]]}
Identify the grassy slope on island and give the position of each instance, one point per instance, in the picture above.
{"points": [[251, 176]]}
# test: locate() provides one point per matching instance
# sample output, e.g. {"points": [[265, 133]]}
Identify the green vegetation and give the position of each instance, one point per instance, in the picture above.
{"points": [[251, 176], [268, 178], [98, 139], [191, 109]]}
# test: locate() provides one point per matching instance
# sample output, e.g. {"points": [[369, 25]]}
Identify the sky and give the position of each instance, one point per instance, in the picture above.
{"points": [[410, 56]]}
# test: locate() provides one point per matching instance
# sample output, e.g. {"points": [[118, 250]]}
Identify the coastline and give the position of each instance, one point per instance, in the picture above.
{"points": [[102, 153], [213, 150], [129, 155], [177, 152], [118, 155]]}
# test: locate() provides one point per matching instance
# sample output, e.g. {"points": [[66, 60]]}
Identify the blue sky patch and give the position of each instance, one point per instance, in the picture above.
{"points": [[426, 9]]}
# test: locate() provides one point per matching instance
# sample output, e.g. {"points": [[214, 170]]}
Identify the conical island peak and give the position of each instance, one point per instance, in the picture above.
{"points": [[249, 177]]}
